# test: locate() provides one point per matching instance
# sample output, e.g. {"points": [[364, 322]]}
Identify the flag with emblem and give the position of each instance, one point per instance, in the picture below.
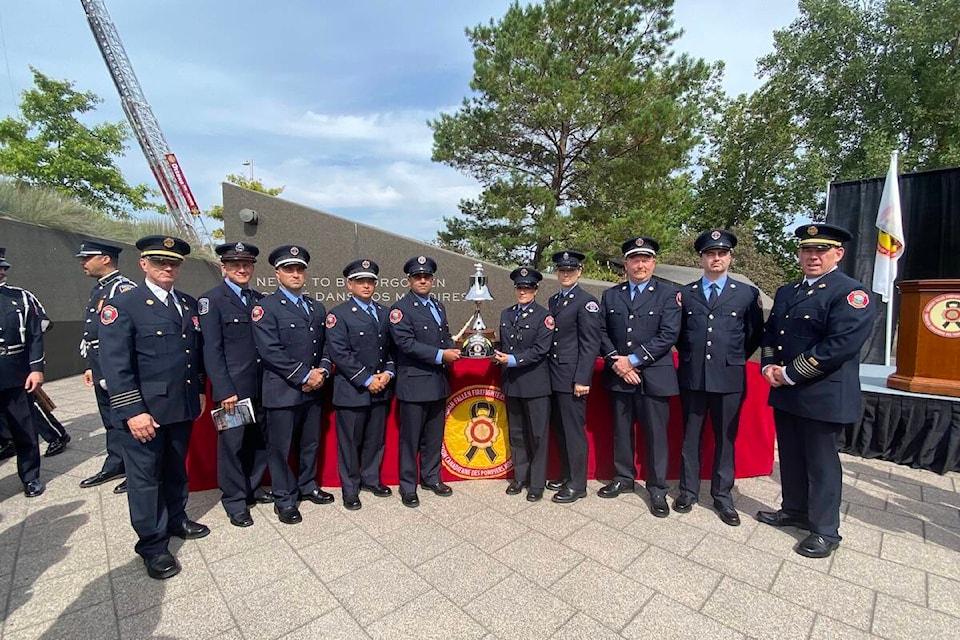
{"points": [[890, 240]]}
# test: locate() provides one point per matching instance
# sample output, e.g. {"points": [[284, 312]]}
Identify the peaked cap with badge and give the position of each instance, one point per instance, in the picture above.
{"points": [[715, 239], [822, 235], [163, 247], [420, 264], [640, 244], [362, 268], [526, 277], [289, 254], [235, 251], [568, 259], [98, 248]]}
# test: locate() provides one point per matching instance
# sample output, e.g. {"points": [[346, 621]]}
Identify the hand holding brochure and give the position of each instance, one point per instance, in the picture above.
{"points": [[242, 414]]}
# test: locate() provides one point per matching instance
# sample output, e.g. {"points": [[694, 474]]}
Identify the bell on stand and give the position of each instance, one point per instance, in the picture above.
{"points": [[475, 339]]}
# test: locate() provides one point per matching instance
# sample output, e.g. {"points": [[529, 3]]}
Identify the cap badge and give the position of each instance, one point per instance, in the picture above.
{"points": [[239, 247], [639, 242], [715, 235], [422, 260], [168, 243], [812, 230], [294, 251], [365, 264], [523, 272], [566, 255]]}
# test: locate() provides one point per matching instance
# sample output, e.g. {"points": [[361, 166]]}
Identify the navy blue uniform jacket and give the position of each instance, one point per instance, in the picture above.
{"points": [[647, 331], [229, 349], [528, 339], [717, 338], [359, 346], [576, 339], [21, 337], [105, 289], [289, 345], [817, 336], [418, 337], [151, 362]]}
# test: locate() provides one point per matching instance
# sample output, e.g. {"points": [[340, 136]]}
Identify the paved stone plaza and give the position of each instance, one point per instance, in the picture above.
{"points": [[478, 565]]}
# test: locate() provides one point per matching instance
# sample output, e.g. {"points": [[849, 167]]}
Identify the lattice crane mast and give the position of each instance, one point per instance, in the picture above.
{"points": [[173, 184]]}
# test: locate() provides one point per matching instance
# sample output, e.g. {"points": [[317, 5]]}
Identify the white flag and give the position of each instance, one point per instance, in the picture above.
{"points": [[890, 240]]}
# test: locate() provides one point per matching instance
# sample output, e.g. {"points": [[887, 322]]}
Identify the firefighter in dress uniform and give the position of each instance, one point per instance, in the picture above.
{"points": [[526, 335]]}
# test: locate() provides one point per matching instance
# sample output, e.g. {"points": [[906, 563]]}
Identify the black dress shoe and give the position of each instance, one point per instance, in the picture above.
{"points": [[380, 490], [781, 519], [729, 516], [351, 503], [815, 546], [99, 478], [568, 495], [288, 515], [242, 519], [56, 447], [556, 485], [190, 530], [658, 506], [534, 495], [162, 566], [263, 498], [7, 449], [515, 488], [121, 488], [614, 489], [317, 496], [439, 488], [684, 503], [410, 500], [33, 488]]}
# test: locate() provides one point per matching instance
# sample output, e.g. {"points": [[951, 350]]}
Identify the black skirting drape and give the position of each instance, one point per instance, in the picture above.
{"points": [[920, 432]]}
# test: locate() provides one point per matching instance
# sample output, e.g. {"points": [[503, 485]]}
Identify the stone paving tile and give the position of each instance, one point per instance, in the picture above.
{"points": [[666, 533], [929, 557], [886, 521], [518, 609], [550, 521], [946, 537], [539, 558], [282, 607], [936, 495], [444, 512], [135, 591], [341, 554], [683, 580], [377, 589], [825, 628], [613, 513], [888, 577], [92, 623], [703, 517], [606, 545], [8, 555], [946, 515], [475, 573], [197, 616], [757, 613], [317, 525], [582, 626], [944, 595], [859, 538], [336, 625], [602, 594], [79, 555], [890, 487], [416, 544], [666, 619], [488, 530], [920, 476], [49, 599], [429, 617], [825, 594], [384, 516], [495, 498], [897, 619], [226, 541], [268, 564], [737, 561]]}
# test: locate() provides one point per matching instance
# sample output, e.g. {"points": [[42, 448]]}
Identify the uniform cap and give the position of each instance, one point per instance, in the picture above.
{"points": [[526, 277], [420, 264], [362, 268], [822, 235], [163, 247], [568, 259], [98, 248], [715, 239], [640, 244], [289, 254], [3, 259], [237, 251]]}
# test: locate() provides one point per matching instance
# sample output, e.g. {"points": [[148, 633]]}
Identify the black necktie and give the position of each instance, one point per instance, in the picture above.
{"points": [[172, 307], [247, 296], [713, 292], [803, 288], [516, 316], [373, 312], [303, 308]]}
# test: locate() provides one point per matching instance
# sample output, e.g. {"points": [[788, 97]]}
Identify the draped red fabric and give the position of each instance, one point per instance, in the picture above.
{"points": [[754, 454]]}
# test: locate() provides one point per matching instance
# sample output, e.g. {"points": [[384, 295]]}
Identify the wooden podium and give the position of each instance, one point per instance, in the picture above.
{"points": [[928, 343]]}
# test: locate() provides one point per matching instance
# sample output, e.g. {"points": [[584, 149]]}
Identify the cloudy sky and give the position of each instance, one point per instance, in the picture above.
{"points": [[327, 98]]}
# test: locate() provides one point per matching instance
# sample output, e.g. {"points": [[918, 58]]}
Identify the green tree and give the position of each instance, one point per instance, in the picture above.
{"points": [[48, 146], [580, 129], [253, 184]]}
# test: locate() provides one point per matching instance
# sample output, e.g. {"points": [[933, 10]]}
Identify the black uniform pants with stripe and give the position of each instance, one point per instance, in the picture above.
{"points": [[241, 463], [157, 484], [569, 420], [114, 461], [810, 471], [15, 408], [48, 427], [529, 420], [724, 411], [421, 431], [286, 426], [360, 442], [653, 414]]}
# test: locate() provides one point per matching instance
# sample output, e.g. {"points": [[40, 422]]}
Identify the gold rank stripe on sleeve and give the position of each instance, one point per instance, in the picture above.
{"points": [[124, 399], [806, 369], [766, 352]]}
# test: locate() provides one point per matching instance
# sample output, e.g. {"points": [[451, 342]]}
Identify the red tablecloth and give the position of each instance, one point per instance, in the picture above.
{"points": [[754, 454]]}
